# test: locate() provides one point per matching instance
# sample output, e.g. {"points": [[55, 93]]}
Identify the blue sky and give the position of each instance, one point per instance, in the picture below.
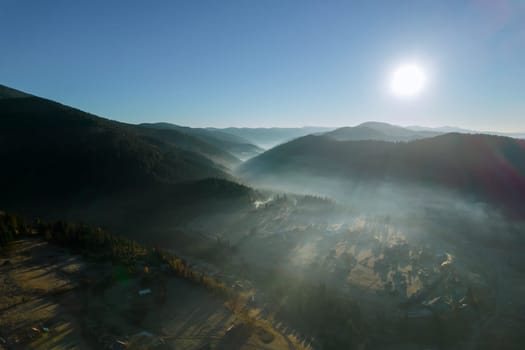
{"points": [[270, 62]]}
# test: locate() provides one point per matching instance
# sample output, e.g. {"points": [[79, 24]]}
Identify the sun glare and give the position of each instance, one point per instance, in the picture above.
{"points": [[407, 80]]}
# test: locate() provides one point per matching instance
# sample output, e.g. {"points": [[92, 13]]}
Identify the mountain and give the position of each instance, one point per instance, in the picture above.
{"points": [[490, 168], [378, 131], [237, 146], [270, 137], [517, 135], [60, 160], [441, 129], [447, 129], [188, 142], [45, 142], [7, 92]]}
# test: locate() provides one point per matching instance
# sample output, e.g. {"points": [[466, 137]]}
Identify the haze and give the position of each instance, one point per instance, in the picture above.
{"points": [[277, 175]]}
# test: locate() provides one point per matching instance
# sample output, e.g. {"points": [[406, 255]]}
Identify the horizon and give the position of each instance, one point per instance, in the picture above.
{"points": [[262, 174], [208, 64], [292, 127]]}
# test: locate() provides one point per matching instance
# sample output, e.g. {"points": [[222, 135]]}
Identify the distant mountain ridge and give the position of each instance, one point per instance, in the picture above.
{"points": [[447, 129], [243, 143], [440, 129], [186, 141], [378, 131], [271, 137], [238, 146]]}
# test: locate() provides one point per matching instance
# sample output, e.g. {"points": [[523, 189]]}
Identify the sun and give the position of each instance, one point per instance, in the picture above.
{"points": [[407, 80]]}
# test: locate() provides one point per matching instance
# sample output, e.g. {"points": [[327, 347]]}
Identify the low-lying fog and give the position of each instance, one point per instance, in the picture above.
{"points": [[367, 239]]}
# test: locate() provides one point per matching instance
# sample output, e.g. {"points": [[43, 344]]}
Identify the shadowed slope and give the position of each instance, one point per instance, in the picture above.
{"points": [[488, 167], [50, 145], [62, 162], [237, 146]]}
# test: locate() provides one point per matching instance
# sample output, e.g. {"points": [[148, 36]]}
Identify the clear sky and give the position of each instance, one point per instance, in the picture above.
{"points": [[270, 62]]}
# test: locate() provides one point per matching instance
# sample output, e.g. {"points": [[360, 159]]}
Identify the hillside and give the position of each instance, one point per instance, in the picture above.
{"points": [[270, 137], [233, 144], [184, 141], [71, 149], [378, 131], [67, 286], [487, 167], [7, 92], [62, 162]]}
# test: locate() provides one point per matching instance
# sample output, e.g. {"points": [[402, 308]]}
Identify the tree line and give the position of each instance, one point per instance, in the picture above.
{"points": [[97, 244]]}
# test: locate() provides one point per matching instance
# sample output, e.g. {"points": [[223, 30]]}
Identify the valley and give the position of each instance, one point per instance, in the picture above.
{"points": [[262, 175], [365, 237]]}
